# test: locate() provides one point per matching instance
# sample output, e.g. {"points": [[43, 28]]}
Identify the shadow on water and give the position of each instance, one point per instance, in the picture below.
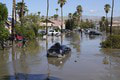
{"points": [[22, 76]]}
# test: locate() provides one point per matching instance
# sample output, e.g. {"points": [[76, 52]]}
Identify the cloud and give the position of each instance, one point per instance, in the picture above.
{"points": [[92, 11]]}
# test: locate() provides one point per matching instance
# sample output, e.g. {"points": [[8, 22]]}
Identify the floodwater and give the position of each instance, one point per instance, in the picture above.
{"points": [[87, 61]]}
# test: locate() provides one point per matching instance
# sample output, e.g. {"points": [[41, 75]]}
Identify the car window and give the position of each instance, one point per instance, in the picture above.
{"points": [[51, 30]]}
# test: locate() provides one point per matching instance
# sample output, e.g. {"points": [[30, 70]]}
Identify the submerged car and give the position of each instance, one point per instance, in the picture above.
{"points": [[95, 33], [58, 50], [42, 32]]}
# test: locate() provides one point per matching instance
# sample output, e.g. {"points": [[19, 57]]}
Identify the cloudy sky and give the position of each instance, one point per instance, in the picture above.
{"points": [[90, 7]]}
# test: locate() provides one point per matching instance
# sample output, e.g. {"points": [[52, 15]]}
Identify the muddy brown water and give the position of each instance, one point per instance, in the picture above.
{"points": [[87, 61]]}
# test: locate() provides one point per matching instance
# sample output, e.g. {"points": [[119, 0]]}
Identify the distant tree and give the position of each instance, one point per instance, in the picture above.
{"points": [[75, 18], [56, 10], [107, 9], [55, 16], [70, 15], [3, 13], [20, 11], [102, 23], [62, 3], [69, 24], [39, 13], [70, 20], [42, 18], [79, 12]]}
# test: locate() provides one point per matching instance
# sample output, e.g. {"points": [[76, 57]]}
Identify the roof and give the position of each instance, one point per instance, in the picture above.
{"points": [[56, 22]]}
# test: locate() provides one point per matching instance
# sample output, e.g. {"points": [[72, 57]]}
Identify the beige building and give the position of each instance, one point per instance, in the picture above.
{"points": [[53, 24], [116, 24]]}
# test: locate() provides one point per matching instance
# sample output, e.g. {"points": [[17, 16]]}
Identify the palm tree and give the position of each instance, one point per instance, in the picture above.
{"points": [[79, 12], [112, 17], [39, 13], [62, 3], [70, 16], [20, 10], [103, 20], [102, 23], [107, 9], [56, 10]]}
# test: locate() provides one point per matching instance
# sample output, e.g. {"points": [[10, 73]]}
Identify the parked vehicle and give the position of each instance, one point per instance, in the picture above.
{"points": [[92, 32], [43, 32], [53, 33], [86, 31], [95, 33]]}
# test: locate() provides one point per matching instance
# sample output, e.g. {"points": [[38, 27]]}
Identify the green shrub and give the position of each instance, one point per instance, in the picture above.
{"points": [[25, 31], [3, 12], [111, 42], [4, 33]]}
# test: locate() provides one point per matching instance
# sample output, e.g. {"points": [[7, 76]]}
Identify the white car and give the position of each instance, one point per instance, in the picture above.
{"points": [[53, 32]]}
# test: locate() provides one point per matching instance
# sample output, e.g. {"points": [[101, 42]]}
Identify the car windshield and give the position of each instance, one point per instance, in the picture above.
{"points": [[51, 30]]}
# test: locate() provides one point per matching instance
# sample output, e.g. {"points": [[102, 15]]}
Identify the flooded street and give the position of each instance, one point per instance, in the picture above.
{"points": [[87, 61]]}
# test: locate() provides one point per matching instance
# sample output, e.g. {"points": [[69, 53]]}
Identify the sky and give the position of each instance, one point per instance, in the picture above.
{"points": [[90, 7]]}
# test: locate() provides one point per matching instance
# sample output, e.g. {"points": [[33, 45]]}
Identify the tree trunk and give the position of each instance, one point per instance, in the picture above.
{"points": [[61, 18], [61, 24], [22, 8], [112, 17], [106, 22], [13, 15], [22, 12], [47, 16]]}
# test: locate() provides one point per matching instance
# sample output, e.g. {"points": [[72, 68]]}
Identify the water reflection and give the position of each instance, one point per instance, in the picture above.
{"points": [[112, 58], [31, 63], [74, 40], [59, 62], [16, 59]]}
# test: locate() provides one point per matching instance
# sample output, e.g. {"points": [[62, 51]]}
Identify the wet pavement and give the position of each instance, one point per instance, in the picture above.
{"points": [[87, 61]]}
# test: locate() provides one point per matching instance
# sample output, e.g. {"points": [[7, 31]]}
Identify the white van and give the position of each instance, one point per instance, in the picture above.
{"points": [[53, 32]]}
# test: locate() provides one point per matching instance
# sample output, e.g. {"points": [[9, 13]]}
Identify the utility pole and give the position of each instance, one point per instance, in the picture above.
{"points": [[47, 17], [112, 17], [13, 17]]}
